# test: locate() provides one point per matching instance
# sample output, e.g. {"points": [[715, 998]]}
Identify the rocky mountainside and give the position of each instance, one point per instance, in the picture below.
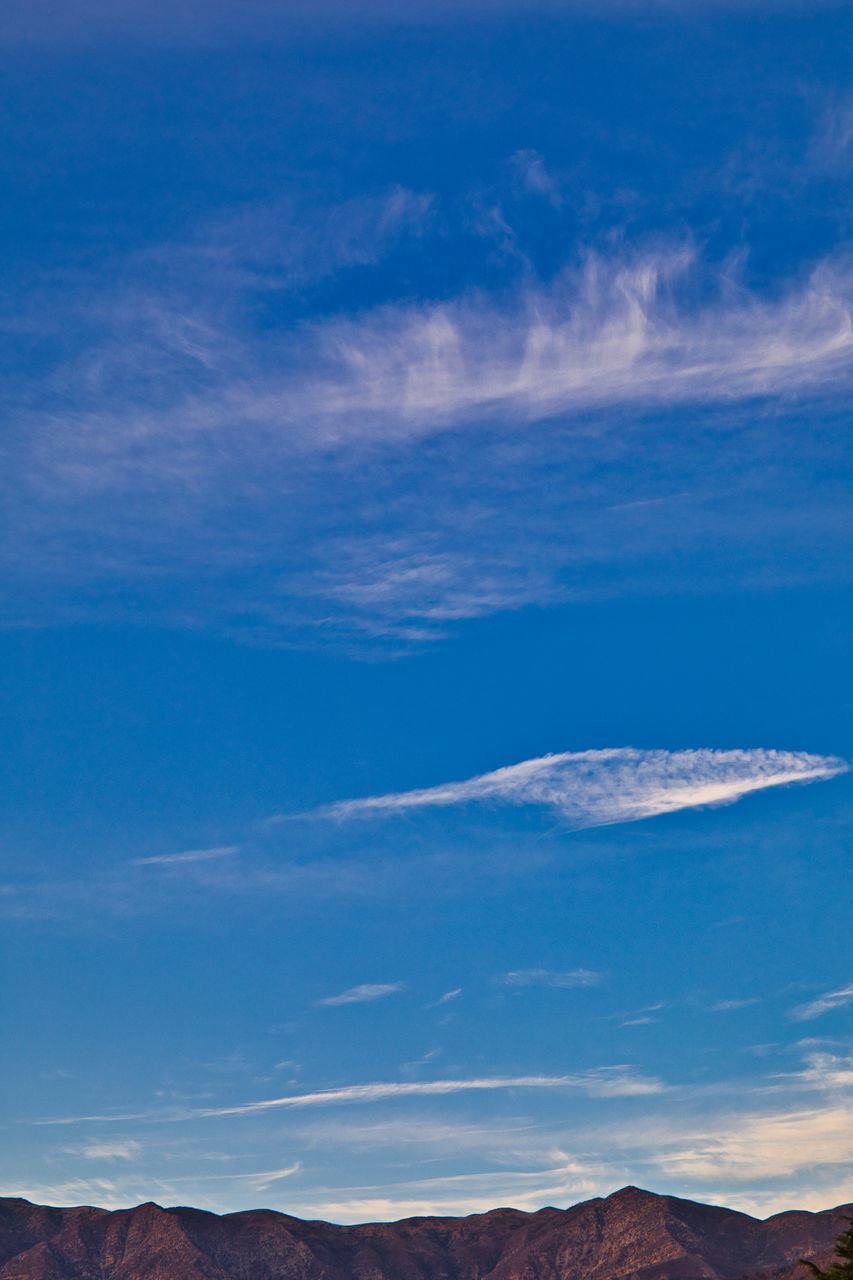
{"points": [[631, 1235]]}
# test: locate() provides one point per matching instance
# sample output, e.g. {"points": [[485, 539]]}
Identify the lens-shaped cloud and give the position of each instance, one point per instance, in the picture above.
{"points": [[597, 788]]}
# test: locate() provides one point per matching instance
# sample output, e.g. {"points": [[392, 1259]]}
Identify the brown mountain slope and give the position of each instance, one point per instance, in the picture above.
{"points": [[631, 1235]]}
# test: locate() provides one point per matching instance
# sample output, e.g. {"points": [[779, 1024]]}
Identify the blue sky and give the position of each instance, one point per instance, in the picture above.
{"points": [[425, 650]]}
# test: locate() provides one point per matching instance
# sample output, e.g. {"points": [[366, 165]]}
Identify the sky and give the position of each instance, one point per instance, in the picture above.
{"points": [[425, 625]]}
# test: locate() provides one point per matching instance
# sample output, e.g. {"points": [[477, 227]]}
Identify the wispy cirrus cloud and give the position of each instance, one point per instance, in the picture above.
{"points": [[550, 978], [824, 1072], [823, 1004], [525, 1189], [105, 1192], [762, 1158], [445, 999], [618, 1081], [366, 993], [265, 1179], [188, 856], [600, 787], [600, 1082], [612, 333], [752, 1147], [765, 1153], [616, 330], [198, 456], [761, 1144], [125, 1150]]}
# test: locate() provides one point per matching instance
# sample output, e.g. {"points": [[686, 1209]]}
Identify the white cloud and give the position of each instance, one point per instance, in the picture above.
{"points": [[189, 855], [749, 1148], [262, 1181], [611, 334], [824, 1071], [526, 1189], [411, 1133], [550, 978], [760, 1159], [600, 1082], [103, 1192], [127, 1150], [258, 1181], [823, 1004], [179, 430], [761, 1145], [620, 1081], [365, 994], [444, 999], [600, 787]]}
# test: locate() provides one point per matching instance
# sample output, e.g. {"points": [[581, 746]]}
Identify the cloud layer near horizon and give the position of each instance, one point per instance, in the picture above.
{"points": [[601, 787], [716, 1145]]}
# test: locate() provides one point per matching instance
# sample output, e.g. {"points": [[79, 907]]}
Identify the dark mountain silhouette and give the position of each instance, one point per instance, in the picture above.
{"points": [[631, 1235]]}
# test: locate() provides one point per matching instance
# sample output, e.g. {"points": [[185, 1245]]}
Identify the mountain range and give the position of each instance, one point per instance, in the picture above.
{"points": [[630, 1235]]}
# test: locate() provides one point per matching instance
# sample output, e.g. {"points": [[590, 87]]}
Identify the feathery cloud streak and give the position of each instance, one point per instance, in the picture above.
{"points": [[183, 452], [364, 994], [189, 855], [619, 1081], [601, 1082], [616, 331], [823, 1004], [612, 333], [550, 978], [598, 788]]}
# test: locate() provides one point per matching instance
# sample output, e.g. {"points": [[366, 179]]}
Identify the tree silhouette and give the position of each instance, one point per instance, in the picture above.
{"points": [[842, 1269]]}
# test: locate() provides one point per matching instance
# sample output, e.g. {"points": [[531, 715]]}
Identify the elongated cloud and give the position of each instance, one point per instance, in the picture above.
{"points": [[373, 539], [824, 1004], [597, 788], [611, 334], [616, 331], [550, 978], [364, 994], [262, 1181], [619, 1081], [601, 1082], [126, 1150], [189, 855], [761, 1146]]}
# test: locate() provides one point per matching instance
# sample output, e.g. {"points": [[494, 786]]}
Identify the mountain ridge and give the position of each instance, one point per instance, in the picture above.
{"points": [[630, 1235]]}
